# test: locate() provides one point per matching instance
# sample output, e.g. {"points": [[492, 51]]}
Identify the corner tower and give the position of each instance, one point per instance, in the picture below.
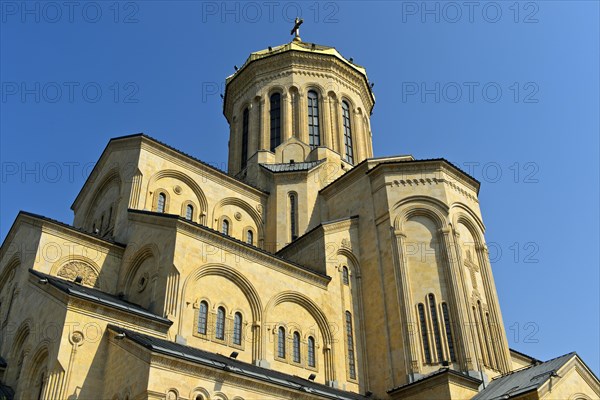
{"points": [[294, 103]]}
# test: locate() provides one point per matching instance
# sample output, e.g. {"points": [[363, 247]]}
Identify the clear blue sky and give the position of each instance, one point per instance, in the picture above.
{"points": [[508, 92]]}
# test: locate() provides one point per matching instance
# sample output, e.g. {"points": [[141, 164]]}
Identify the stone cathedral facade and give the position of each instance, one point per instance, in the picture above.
{"points": [[310, 270]]}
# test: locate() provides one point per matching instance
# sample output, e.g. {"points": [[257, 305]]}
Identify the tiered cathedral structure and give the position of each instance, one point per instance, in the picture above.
{"points": [[310, 270]]}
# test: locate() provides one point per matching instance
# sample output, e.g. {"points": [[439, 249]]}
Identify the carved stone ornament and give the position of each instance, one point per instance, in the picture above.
{"points": [[238, 215], [76, 338], [177, 189], [143, 282], [171, 395], [73, 269]]}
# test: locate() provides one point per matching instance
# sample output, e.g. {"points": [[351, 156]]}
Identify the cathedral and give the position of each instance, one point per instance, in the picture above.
{"points": [[311, 269]]}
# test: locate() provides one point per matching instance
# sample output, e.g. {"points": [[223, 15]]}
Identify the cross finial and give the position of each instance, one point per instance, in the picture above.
{"points": [[296, 29]]}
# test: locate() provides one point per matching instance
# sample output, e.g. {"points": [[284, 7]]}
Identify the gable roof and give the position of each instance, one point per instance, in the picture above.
{"points": [[142, 136], [232, 239], [60, 224], [524, 380], [98, 296], [430, 375], [233, 366]]}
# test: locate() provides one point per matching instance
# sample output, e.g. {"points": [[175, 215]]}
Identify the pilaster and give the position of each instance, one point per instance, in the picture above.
{"points": [[459, 306]]}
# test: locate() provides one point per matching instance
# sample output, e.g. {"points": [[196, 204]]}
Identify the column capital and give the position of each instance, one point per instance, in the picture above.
{"points": [[446, 231], [399, 233]]}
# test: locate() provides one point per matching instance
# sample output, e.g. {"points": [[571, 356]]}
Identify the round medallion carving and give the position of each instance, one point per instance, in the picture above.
{"points": [[177, 189], [76, 338], [238, 215]]}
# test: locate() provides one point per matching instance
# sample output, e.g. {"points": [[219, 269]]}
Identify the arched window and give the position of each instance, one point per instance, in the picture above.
{"points": [[436, 328], [296, 347], [448, 326], [189, 212], [250, 237], [345, 278], [484, 335], [237, 329], [220, 331], [293, 216], [225, 227], [314, 137], [245, 138], [424, 335], [202, 317], [350, 342], [281, 342], [347, 132], [491, 335], [275, 120], [160, 207], [311, 352]]}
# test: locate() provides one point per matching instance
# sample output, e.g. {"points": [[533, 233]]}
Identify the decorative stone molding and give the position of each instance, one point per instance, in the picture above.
{"points": [[73, 269]]}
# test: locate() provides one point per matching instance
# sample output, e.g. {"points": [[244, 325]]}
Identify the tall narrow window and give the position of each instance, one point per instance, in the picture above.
{"points": [[281, 342], [485, 336], [237, 328], [448, 326], [492, 341], [293, 216], [436, 328], [202, 318], [296, 347], [345, 278], [225, 227], [350, 342], [250, 237], [162, 199], [314, 136], [424, 335], [275, 120], [347, 133], [311, 352], [220, 331], [189, 212], [245, 138]]}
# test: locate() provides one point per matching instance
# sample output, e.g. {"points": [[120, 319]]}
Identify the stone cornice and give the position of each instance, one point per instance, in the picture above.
{"points": [[430, 166], [57, 228], [436, 378], [98, 311], [282, 64], [340, 225]]}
